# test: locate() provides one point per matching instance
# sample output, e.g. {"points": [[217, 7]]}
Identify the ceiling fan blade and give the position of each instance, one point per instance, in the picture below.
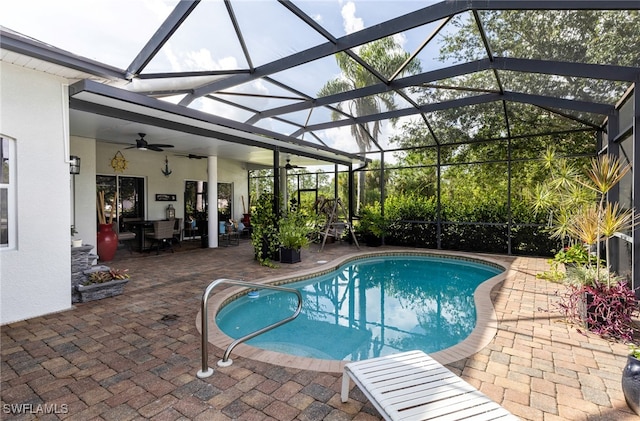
{"points": [[141, 143], [192, 156], [290, 166]]}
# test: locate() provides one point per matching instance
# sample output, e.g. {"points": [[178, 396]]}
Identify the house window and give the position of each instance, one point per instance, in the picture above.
{"points": [[8, 221], [128, 193]]}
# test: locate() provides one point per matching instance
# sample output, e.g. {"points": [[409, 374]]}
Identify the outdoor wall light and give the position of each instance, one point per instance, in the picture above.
{"points": [[74, 165]]}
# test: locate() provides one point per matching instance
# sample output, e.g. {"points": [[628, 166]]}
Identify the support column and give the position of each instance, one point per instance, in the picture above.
{"points": [[276, 183], [382, 192], [438, 202], [284, 191], [212, 195], [635, 170], [612, 148]]}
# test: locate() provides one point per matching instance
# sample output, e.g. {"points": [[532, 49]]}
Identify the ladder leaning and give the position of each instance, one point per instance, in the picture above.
{"points": [[332, 224]]}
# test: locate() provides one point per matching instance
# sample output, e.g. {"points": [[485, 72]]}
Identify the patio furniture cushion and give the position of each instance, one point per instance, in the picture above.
{"points": [[413, 386]]}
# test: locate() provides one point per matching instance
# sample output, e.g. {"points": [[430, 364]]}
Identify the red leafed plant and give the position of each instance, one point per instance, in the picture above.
{"points": [[605, 309]]}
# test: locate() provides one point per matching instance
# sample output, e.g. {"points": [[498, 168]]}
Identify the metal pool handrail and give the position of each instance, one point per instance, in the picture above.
{"points": [[206, 371]]}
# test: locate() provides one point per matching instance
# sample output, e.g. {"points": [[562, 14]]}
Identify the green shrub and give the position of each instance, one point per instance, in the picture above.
{"points": [[577, 254], [294, 230]]}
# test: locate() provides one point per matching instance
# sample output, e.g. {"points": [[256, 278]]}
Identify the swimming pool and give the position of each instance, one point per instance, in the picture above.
{"points": [[368, 307]]}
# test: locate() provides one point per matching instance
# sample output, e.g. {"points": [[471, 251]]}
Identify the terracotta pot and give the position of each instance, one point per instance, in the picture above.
{"points": [[107, 242], [631, 383]]}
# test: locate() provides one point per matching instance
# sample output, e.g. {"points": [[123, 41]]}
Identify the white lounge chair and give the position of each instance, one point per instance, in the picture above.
{"points": [[412, 386]]}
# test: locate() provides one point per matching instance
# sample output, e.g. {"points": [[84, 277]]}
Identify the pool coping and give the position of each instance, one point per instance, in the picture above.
{"points": [[484, 331]]}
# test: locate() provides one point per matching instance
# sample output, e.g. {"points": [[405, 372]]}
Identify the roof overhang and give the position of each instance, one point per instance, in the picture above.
{"points": [[109, 101]]}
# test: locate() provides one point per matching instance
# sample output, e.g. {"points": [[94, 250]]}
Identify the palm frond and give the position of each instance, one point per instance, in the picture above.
{"points": [[615, 219], [585, 225], [605, 172]]}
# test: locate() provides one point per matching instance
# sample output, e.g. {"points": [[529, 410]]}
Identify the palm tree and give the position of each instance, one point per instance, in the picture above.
{"points": [[386, 56]]}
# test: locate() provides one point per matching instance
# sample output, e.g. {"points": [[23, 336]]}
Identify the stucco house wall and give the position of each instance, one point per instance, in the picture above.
{"points": [[35, 276]]}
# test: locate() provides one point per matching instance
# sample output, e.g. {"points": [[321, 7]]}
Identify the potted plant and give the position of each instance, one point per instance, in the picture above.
{"points": [[631, 379], [75, 242], [372, 226], [264, 234], [102, 284], [294, 230]]}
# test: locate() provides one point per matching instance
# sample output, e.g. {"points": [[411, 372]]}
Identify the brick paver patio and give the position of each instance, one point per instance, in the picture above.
{"points": [[135, 356]]}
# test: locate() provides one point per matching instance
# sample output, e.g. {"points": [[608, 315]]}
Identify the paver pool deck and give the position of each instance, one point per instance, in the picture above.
{"points": [[135, 356]]}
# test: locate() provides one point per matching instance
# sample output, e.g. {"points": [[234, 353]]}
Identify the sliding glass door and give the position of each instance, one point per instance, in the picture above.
{"points": [[225, 201], [124, 196], [196, 204]]}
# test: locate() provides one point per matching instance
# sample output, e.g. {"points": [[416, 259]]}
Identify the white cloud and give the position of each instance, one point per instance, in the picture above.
{"points": [[351, 23], [200, 59], [196, 60], [341, 139], [160, 9]]}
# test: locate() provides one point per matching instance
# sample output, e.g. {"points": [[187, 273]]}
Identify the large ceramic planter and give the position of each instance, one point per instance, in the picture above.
{"points": [[631, 383], [94, 292], [288, 255], [107, 242]]}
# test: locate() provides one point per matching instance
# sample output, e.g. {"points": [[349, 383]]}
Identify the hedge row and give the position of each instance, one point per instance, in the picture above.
{"points": [[478, 227]]}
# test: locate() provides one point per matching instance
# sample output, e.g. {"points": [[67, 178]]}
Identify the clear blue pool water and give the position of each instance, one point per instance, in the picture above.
{"points": [[366, 308]]}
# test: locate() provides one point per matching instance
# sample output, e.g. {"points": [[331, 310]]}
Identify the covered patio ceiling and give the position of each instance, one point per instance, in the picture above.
{"points": [[241, 78]]}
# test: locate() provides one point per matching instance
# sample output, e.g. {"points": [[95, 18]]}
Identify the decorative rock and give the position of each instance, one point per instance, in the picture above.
{"points": [[80, 262], [99, 291]]}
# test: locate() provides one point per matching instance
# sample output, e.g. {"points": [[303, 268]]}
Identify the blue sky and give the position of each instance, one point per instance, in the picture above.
{"points": [[114, 31]]}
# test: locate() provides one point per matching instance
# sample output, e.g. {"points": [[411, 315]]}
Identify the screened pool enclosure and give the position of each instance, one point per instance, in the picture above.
{"points": [[435, 114]]}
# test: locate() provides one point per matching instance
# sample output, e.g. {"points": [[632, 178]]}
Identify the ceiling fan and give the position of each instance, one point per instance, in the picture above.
{"points": [[192, 156], [143, 145], [290, 166]]}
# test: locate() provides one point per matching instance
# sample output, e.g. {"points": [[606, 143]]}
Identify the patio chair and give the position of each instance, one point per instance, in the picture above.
{"points": [[190, 229], [177, 231], [126, 237], [162, 235], [413, 386]]}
